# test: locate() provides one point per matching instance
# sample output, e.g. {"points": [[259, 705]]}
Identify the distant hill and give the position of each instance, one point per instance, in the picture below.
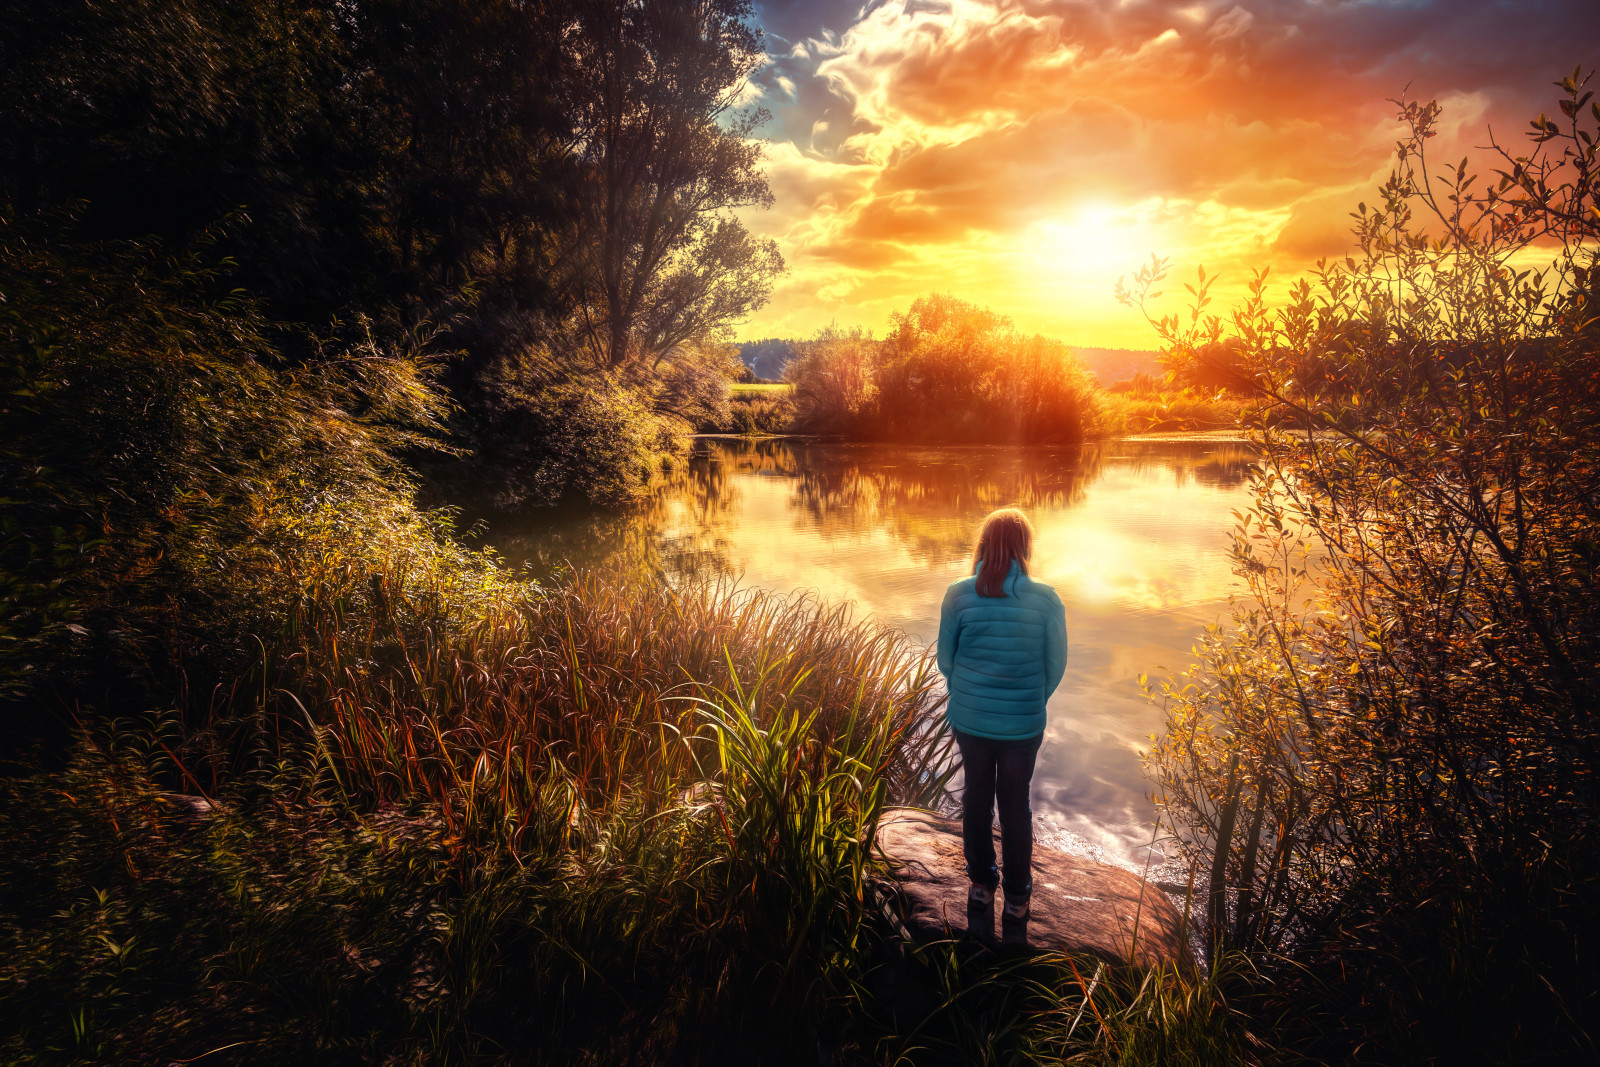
{"points": [[1111, 365]]}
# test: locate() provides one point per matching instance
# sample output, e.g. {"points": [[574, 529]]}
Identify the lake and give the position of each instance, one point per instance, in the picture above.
{"points": [[1132, 533]]}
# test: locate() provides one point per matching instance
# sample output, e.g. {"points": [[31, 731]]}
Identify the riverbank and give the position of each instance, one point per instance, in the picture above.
{"points": [[607, 820], [769, 410]]}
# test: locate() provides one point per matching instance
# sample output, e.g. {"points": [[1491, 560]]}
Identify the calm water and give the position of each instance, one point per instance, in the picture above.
{"points": [[1133, 534]]}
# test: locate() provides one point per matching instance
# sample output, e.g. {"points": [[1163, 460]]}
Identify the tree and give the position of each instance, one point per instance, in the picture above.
{"points": [[833, 378], [383, 159], [955, 371], [1388, 761], [664, 160]]}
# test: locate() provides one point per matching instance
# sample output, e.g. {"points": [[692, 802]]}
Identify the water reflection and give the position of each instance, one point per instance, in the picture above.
{"points": [[1132, 533]]}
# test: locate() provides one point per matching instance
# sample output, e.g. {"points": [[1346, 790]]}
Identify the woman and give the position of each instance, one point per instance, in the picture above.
{"points": [[1002, 650]]}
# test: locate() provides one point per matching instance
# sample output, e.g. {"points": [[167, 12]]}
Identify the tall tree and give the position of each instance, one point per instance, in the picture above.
{"points": [[666, 157]]}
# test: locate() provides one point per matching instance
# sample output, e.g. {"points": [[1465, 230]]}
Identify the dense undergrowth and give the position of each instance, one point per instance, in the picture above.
{"points": [[605, 822], [281, 923], [302, 780]]}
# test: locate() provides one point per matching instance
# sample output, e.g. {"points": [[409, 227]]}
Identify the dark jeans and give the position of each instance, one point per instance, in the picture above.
{"points": [[1003, 771]]}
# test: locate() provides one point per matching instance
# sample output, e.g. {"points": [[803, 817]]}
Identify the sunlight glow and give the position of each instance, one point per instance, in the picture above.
{"points": [[1007, 154], [1095, 241]]}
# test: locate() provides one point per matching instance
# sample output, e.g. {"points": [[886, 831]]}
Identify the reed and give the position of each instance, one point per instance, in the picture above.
{"points": [[404, 694], [975, 1006]]}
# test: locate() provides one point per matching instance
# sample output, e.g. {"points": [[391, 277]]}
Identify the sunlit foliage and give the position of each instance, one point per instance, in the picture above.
{"points": [[1386, 762], [947, 371]]}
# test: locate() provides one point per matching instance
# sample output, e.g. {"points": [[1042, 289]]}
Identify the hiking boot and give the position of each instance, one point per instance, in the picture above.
{"points": [[1017, 909], [979, 896]]}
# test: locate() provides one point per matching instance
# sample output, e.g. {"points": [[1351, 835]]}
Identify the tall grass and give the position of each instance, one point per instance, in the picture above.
{"points": [[283, 926], [611, 817], [766, 412], [599, 676], [960, 1003]]}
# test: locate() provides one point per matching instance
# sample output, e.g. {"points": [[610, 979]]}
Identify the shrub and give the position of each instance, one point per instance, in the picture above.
{"points": [[1387, 760], [834, 381], [760, 413], [948, 371], [159, 463], [691, 382], [547, 434]]}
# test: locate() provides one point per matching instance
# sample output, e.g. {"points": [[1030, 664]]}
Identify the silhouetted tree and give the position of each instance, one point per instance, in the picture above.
{"points": [[544, 189]]}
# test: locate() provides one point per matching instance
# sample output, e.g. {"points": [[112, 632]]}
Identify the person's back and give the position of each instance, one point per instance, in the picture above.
{"points": [[1003, 650], [1002, 656]]}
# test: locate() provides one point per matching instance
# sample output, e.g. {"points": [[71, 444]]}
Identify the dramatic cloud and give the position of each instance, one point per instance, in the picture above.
{"points": [[1026, 154]]}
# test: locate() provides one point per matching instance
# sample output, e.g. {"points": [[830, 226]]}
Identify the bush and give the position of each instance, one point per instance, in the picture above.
{"points": [[1387, 761], [757, 413], [546, 434], [834, 379], [948, 371], [162, 467]]}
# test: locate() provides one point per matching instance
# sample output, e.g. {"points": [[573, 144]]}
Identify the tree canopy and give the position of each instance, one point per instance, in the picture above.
{"points": [[399, 160], [543, 192]]}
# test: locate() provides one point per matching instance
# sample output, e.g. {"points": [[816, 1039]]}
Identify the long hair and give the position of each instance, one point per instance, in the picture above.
{"points": [[1006, 535]]}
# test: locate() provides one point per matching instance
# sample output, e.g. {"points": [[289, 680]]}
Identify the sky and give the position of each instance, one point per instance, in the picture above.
{"points": [[1024, 155]]}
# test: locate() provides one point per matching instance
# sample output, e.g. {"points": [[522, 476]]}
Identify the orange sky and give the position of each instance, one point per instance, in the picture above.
{"points": [[1024, 155]]}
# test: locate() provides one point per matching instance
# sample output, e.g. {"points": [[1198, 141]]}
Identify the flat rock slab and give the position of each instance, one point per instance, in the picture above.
{"points": [[1079, 905]]}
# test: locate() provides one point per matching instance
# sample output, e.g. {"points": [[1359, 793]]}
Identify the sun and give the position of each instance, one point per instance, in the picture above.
{"points": [[1092, 241]]}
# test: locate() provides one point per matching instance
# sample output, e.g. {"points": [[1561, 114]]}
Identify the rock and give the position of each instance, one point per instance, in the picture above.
{"points": [[1079, 905]]}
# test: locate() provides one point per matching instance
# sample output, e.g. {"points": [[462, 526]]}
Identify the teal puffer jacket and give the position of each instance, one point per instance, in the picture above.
{"points": [[1001, 656]]}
